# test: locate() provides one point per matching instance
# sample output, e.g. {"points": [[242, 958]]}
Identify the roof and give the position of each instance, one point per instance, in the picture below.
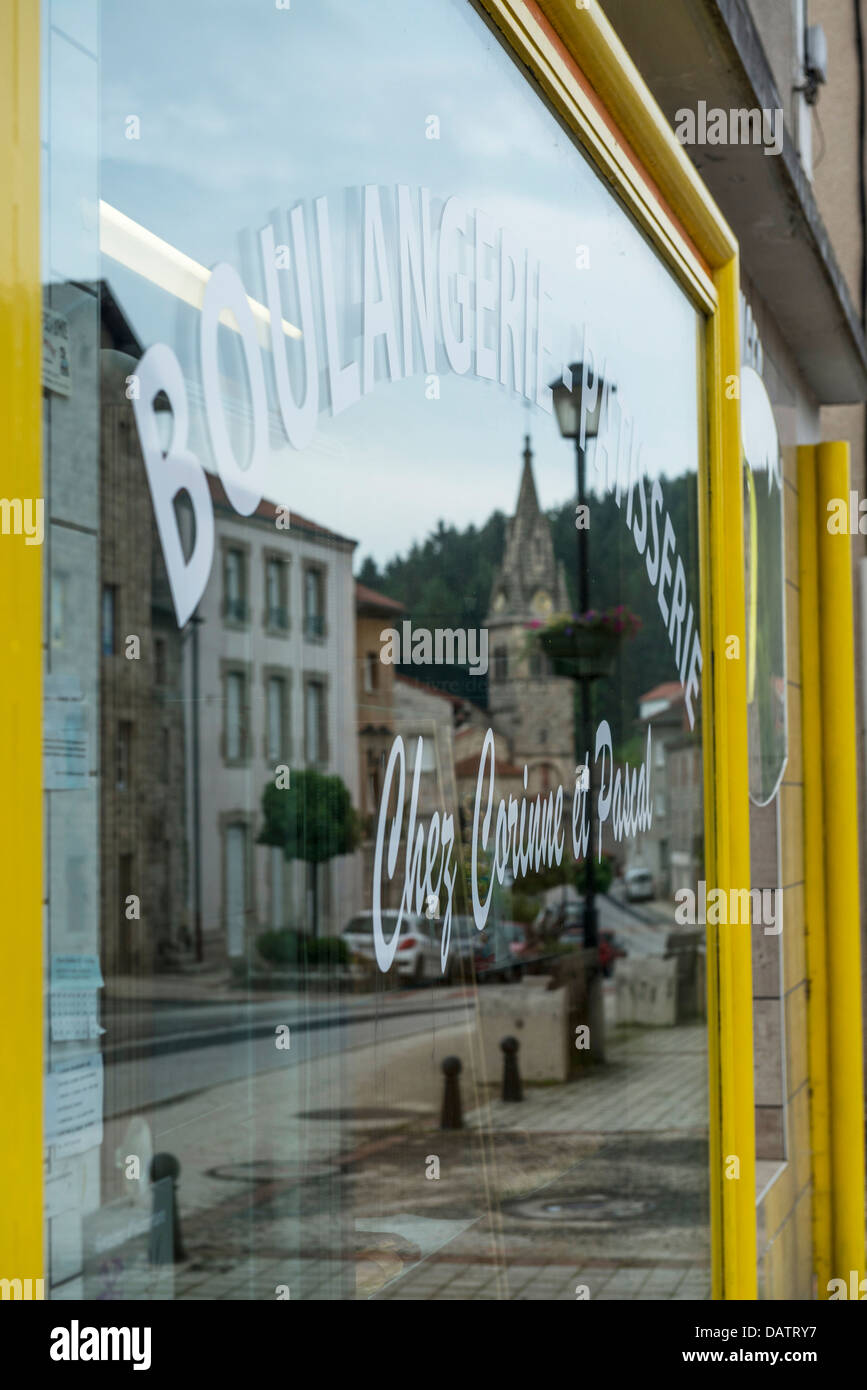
{"points": [[267, 511], [454, 700], [669, 690], [369, 598], [468, 767]]}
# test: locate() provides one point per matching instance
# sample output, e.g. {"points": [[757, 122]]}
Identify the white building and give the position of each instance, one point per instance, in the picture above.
{"points": [[276, 658]]}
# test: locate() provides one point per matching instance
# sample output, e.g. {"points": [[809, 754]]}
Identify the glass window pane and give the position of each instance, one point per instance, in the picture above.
{"points": [[367, 551]]}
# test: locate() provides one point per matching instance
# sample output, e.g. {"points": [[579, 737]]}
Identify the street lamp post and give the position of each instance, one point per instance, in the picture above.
{"points": [[567, 407]]}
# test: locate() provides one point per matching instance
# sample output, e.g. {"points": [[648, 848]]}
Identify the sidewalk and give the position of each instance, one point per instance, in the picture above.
{"points": [[627, 1219], [324, 1171]]}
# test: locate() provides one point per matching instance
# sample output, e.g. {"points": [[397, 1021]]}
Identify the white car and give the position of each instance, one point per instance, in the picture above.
{"points": [[417, 957], [638, 885]]}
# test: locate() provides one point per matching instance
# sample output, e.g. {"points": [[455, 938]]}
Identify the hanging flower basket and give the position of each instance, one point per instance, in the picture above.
{"points": [[584, 645]]}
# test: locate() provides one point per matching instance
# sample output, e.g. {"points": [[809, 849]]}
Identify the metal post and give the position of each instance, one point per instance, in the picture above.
{"points": [[196, 622], [512, 1088], [452, 1117], [591, 933]]}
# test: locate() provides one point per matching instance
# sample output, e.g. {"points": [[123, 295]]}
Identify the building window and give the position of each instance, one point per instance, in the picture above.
{"points": [[275, 697], [276, 602], [371, 664], [109, 619], [236, 716], [124, 753], [160, 661], [314, 602], [314, 722], [501, 664], [236, 887], [234, 586]]}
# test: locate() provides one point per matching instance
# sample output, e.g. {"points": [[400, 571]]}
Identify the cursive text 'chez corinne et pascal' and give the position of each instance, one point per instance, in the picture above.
{"points": [[514, 836]]}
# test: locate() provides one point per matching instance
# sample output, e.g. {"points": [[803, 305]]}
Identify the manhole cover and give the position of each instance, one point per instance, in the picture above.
{"points": [[593, 1208]]}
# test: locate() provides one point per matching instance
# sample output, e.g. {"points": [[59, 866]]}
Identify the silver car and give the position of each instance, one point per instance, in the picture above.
{"points": [[417, 957]]}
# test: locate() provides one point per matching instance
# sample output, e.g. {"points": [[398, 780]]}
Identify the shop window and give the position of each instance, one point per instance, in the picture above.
{"points": [[380, 467]]}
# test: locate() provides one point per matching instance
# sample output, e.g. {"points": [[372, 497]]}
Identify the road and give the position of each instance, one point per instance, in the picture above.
{"points": [[179, 1049], [173, 1049]]}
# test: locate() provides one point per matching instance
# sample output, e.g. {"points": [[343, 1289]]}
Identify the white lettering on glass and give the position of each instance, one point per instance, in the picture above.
{"points": [[177, 471], [512, 838]]}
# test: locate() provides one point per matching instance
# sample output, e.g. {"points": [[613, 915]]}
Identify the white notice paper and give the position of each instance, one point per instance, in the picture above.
{"points": [[73, 1105], [64, 734], [75, 979]]}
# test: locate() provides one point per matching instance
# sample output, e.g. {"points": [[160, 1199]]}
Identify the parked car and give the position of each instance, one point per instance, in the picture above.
{"points": [[610, 948], [638, 885], [418, 951], [501, 950], [462, 947]]}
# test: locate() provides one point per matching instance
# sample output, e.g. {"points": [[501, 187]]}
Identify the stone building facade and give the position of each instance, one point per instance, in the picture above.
{"points": [[145, 924]]}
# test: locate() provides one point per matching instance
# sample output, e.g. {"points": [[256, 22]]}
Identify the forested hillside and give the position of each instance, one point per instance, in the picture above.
{"points": [[446, 582]]}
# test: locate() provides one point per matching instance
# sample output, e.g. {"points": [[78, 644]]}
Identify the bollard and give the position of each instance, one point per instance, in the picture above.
{"points": [[162, 1249], [451, 1116], [512, 1088]]}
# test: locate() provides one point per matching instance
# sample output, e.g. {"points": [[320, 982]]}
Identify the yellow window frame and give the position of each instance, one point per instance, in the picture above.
{"points": [[586, 74], [21, 650]]}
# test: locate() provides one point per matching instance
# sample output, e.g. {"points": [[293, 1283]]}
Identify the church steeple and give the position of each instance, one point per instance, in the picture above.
{"points": [[529, 574], [528, 503]]}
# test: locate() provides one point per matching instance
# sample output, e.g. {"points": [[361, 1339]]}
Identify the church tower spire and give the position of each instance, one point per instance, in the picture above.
{"points": [[529, 582], [527, 704]]}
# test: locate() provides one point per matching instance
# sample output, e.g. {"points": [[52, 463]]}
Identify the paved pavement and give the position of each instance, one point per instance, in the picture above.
{"points": [[326, 1172]]}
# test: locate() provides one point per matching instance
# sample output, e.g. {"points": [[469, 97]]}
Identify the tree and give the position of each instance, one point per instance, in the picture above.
{"points": [[313, 820]]}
